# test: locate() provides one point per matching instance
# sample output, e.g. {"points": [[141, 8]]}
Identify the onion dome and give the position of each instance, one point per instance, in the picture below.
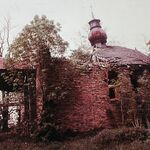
{"points": [[97, 35]]}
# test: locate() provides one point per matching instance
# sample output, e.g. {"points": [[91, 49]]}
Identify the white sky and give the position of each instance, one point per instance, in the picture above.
{"points": [[127, 22]]}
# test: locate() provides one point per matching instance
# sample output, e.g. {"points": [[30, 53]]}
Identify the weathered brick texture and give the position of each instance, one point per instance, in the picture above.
{"points": [[86, 108]]}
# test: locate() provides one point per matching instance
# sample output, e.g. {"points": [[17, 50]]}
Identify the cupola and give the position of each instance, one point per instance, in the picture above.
{"points": [[97, 35]]}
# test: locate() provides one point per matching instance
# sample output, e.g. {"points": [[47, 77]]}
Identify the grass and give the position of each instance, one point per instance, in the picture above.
{"points": [[116, 139]]}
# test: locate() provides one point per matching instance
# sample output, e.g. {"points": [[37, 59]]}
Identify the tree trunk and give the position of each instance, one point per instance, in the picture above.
{"points": [[5, 113]]}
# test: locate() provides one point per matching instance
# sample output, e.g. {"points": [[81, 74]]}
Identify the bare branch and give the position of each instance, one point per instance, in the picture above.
{"points": [[7, 26], [4, 36]]}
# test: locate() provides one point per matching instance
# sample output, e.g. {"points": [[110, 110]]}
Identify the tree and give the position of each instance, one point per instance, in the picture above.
{"points": [[127, 98], [40, 34], [4, 36], [148, 47], [144, 98], [35, 46], [80, 56], [83, 51], [4, 44]]}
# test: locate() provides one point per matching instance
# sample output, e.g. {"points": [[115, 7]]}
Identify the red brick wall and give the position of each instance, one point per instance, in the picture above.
{"points": [[86, 108]]}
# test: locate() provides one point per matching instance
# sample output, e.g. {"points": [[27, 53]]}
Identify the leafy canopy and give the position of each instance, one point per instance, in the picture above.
{"points": [[40, 34]]}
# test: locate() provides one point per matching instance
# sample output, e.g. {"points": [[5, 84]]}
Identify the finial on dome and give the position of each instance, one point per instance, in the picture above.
{"points": [[92, 12]]}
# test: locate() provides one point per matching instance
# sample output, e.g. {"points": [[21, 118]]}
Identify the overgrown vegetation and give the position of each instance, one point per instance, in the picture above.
{"points": [[39, 46], [34, 48], [120, 139], [131, 92]]}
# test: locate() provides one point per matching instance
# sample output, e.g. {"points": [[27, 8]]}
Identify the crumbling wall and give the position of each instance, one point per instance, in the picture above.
{"points": [[86, 107], [123, 100], [80, 99], [143, 98], [131, 104]]}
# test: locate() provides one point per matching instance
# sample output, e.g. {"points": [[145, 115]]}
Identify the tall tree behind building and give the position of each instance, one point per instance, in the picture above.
{"points": [[41, 33], [38, 42]]}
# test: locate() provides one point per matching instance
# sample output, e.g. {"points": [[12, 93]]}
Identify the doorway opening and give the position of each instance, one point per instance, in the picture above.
{"points": [[17, 97]]}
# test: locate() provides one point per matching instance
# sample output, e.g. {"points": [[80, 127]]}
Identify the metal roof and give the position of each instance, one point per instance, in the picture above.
{"points": [[121, 55]]}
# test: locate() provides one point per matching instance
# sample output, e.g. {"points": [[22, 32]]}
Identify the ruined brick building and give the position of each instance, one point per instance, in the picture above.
{"points": [[111, 89], [108, 93]]}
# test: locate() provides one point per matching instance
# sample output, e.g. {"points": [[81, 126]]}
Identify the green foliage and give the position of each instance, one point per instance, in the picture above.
{"points": [[126, 95], [34, 47], [40, 34], [17, 79], [60, 86], [80, 56], [143, 98], [116, 137], [81, 59]]}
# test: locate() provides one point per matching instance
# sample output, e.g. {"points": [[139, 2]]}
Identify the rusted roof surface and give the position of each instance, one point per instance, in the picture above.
{"points": [[121, 55]]}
